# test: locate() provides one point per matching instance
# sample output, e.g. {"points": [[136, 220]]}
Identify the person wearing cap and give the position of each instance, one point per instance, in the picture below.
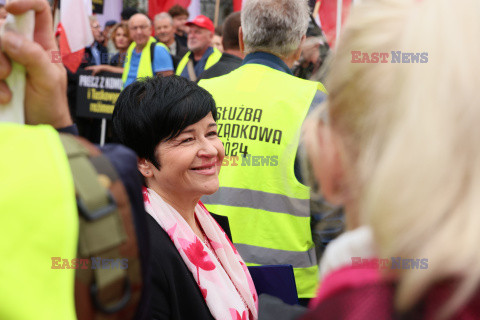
{"points": [[107, 33], [145, 57], [201, 55], [262, 107]]}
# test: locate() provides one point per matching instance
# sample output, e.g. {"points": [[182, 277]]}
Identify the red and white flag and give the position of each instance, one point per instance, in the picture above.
{"points": [[194, 9], [326, 17], [237, 5], [75, 31]]}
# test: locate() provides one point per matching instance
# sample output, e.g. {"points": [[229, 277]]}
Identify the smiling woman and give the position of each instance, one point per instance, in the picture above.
{"points": [[193, 159], [197, 273]]}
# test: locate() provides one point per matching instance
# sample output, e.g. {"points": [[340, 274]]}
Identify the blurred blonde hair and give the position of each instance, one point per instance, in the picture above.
{"points": [[412, 137]]}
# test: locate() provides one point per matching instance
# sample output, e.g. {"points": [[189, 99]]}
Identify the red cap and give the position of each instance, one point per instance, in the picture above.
{"points": [[202, 22]]}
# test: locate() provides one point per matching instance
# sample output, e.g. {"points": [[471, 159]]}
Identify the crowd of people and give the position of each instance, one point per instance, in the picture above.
{"points": [[220, 152]]}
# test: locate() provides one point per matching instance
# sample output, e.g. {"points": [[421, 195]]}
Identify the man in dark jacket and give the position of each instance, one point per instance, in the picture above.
{"points": [[232, 56], [180, 16]]}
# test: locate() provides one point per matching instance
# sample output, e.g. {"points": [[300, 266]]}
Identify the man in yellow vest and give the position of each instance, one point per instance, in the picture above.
{"points": [[201, 55], [139, 61], [261, 107]]}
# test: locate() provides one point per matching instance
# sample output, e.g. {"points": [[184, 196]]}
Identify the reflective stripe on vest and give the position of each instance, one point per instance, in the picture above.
{"points": [[268, 209], [260, 200], [38, 222], [262, 255], [211, 60], [145, 65]]}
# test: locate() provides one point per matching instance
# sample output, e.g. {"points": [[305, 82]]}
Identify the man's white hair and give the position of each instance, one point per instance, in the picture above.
{"points": [[163, 15], [274, 26]]}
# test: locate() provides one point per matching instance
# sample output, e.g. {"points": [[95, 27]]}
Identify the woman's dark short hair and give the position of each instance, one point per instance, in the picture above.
{"points": [[153, 110]]}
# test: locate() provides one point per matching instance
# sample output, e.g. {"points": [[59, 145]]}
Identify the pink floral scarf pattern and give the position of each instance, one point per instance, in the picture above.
{"points": [[222, 276]]}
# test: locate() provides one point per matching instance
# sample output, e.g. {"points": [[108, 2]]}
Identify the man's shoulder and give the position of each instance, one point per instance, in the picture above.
{"points": [[230, 58], [102, 48], [225, 65], [160, 48], [266, 73], [163, 251], [181, 49]]}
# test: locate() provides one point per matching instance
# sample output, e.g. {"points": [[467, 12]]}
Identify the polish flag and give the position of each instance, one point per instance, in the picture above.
{"points": [[326, 17], [75, 31], [157, 6], [237, 5], [194, 9]]}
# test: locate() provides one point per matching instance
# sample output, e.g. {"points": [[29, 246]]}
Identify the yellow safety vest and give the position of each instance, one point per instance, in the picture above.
{"points": [[145, 65], [38, 221], [261, 111], [211, 60]]}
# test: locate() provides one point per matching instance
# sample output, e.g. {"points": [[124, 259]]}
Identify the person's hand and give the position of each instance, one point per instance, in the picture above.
{"points": [[96, 69], [46, 84]]}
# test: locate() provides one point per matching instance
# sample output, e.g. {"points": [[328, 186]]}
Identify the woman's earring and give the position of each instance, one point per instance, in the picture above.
{"points": [[147, 172]]}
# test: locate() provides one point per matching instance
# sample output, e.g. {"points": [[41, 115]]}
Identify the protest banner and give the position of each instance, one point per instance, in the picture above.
{"points": [[97, 6], [96, 95]]}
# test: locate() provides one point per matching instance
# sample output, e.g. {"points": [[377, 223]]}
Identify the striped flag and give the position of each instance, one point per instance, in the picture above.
{"points": [[237, 5], [75, 31], [326, 17]]}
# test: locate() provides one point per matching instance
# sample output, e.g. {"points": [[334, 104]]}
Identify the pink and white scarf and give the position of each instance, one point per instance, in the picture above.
{"points": [[222, 276]]}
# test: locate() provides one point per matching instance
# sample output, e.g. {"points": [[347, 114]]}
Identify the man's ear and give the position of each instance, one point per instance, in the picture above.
{"points": [[298, 52], [240, 40], [329, 167], [145, 167]]}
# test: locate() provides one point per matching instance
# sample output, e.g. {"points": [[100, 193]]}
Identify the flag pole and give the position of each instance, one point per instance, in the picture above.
{"points": [[103, 130], [217, 10], [316, 9], [339, 20]]}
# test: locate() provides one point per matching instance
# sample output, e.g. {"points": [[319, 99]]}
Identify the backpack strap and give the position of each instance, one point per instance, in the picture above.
{"points": [[152, 55], [111, 282], [191, 70]]}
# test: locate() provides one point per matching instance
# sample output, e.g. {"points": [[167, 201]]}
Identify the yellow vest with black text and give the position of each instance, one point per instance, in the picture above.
{"points": [[260, 114], [145, 65], [211, 60], [38, 221]]}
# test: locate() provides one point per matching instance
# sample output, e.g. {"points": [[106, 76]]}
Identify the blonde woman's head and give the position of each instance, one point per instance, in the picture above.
{"points": [[403, 136]]}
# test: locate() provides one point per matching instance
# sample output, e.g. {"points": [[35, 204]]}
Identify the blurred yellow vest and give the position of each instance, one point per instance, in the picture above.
{"points": [[38, 221], [211, 60]]}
